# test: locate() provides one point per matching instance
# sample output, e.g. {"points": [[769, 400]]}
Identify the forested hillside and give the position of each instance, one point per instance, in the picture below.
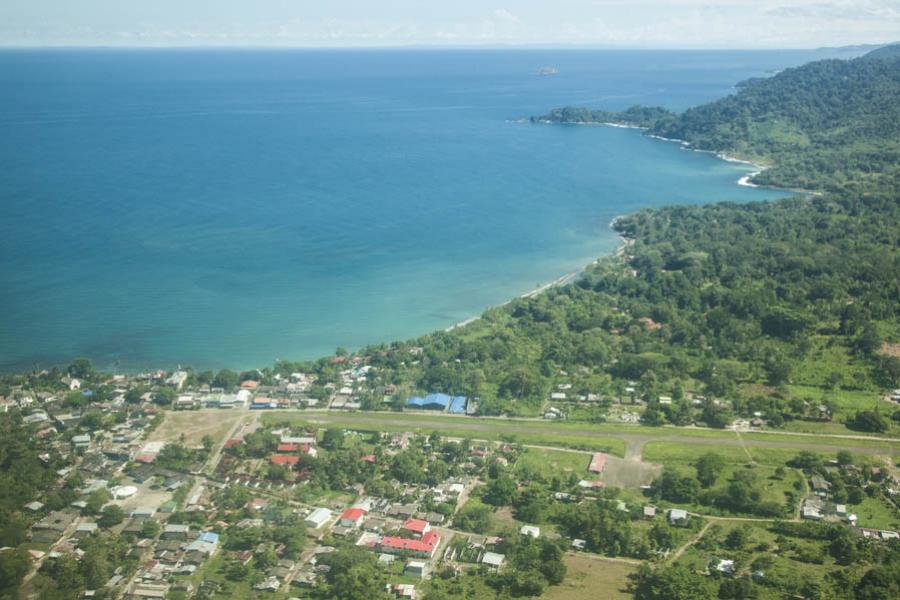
{"points": [[734, 301], [829, 125]]}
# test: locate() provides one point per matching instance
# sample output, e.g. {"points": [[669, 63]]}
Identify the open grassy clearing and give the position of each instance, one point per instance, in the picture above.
{"points": [[591, 579], [195, 424], [547, 463], [877, 513], [829, 358]]}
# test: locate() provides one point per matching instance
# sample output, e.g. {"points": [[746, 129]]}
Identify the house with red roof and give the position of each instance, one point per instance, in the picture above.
{"points": [[285, 459], [352, 517], [423, 548], [369, 458], [231, 443], [418, 527], [598, 462]]}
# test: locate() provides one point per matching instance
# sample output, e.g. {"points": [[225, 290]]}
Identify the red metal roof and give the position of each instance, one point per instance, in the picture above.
{"points": [[285, 459], [416, 525], [426, 544], [353, 514], [598, 461]]}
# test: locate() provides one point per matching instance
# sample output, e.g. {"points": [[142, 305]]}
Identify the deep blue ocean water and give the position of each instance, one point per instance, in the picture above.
{"points": [[230, 208]]}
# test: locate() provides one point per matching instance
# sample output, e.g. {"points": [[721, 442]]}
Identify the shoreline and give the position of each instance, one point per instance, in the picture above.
{"points": [[623, 241], [745, 181]]}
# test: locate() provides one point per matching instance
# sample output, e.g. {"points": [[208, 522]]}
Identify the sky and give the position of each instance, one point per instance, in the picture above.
{"points": [[335, 23]]}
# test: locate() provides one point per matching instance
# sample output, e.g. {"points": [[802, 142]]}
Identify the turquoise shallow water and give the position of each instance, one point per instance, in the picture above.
{"points": [[229, 208]]}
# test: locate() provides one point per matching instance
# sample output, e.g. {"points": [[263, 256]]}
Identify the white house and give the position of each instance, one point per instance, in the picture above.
{"points": [[317, 518], [531, 530]]}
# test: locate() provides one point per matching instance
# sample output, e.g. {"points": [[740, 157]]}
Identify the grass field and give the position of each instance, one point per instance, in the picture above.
{"points": [[194, 425], [591, 578], [877, 513], [547, 463]]}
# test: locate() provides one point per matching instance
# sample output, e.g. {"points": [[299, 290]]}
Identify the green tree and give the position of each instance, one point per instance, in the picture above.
{"points": [[708, 468]]}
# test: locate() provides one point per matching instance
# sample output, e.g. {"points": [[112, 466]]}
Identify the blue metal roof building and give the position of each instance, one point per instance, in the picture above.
{"points": [[458, 405], [430, 402]]}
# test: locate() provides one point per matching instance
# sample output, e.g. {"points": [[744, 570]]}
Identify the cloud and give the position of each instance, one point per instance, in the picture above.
{"points": [[645, 23]]}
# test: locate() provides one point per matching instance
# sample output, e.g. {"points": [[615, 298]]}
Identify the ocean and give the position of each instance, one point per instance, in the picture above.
{"points": [[230, 208]]}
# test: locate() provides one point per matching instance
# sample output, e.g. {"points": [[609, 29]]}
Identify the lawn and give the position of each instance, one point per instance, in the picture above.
{"points": [[591, 578], [877, 513]]}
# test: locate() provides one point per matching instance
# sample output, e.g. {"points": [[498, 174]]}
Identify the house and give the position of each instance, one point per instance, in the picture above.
{"points": [[812, 509], [725, 566], [143, 591], [51, 528], [352, 517], [403, 590], [174, 531], [820, 485], [288, 460], [270, 584], [81, 441], [415, 568], [598, 462], [403, 511], [493, 560], [677, 515], [579, 544], [34, 506], [531, 530], [434, 518], [649, 512], [85, 529], [385, 560], [206, 543], [317, 518], [424, 548], [418, 527]]}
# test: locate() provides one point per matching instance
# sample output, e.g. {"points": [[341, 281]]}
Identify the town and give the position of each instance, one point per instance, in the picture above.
{"points": [[173, 485]]}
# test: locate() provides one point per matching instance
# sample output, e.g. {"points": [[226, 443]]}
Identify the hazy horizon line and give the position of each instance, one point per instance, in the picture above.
{"points": [[487, 46]]}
